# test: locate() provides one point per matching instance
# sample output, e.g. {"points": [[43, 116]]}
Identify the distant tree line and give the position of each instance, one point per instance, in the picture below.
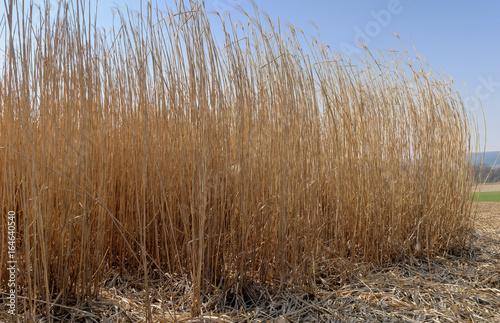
{"points": [[482, 174]]}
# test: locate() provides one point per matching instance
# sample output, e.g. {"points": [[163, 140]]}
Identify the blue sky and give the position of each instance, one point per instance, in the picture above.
{"points": [[460, 38]]}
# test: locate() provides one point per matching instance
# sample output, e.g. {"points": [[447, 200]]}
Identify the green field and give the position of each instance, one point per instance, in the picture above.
{"points": [[487, 197]]}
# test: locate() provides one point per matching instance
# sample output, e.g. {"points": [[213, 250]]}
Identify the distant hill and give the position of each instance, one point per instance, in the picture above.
{"points": [[489, 158]]}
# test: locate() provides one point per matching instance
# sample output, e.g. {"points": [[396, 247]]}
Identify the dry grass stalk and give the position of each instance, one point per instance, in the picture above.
{"points": [[154, 149]]}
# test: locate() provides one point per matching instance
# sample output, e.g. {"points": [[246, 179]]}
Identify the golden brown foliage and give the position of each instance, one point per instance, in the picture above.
{"points": [[155, 149]]}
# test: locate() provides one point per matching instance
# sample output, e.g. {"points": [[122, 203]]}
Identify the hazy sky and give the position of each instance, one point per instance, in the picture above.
{"points": [[460, 38]]}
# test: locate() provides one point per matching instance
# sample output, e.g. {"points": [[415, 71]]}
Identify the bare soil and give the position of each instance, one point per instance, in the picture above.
{"points": [[490, 187]]}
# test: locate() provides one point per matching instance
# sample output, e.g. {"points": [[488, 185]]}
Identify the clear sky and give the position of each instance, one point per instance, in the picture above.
{"points": [[458, 37]]}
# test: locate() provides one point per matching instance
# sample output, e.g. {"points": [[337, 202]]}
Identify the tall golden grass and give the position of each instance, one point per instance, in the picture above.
{"points": [[156, 149]]}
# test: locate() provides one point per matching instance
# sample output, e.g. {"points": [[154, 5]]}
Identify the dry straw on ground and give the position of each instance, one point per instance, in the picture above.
{"points": [[239, 170]]}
